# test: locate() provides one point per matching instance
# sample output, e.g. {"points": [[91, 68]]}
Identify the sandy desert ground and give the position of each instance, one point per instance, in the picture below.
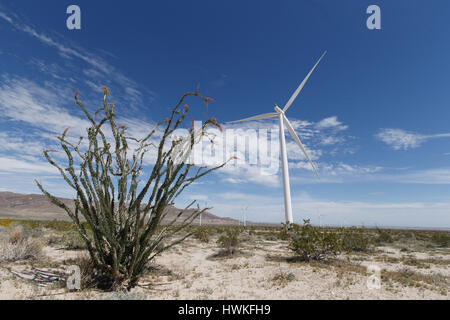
{"points": [[263, 269]]}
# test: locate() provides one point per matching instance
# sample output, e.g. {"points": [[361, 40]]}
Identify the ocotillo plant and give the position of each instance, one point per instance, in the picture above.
{"points": [[126, 219]]}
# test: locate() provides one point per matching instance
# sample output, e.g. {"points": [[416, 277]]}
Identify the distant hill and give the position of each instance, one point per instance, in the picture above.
{"points": [[37, 207]]}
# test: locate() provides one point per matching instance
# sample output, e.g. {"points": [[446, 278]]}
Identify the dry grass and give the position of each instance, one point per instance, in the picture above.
{"points": [[20, 246]]}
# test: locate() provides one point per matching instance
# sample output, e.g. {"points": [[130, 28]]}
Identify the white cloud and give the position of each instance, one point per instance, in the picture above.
{"points": [[426, 176], [326, 141], [24, 100], [16, 143], [246, 173], [51, 69], [197, 197], [5, 17], [16, 165], [234, 180], [331, 122], [400, 139]]}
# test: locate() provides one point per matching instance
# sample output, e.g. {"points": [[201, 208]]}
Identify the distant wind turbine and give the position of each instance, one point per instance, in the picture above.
{"points": [[282, 121], [320, 219], [244, 216]]}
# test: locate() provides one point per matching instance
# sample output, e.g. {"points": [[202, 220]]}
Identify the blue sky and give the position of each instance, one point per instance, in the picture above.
{"points": [[374, 115]]}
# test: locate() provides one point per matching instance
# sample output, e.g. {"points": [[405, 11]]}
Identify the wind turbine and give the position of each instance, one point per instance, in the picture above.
{"points": [[320, 219], [244, 216], [282, 121]]}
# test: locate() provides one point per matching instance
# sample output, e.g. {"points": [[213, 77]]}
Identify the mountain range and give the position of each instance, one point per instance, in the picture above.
{"points": [[38, 207]]}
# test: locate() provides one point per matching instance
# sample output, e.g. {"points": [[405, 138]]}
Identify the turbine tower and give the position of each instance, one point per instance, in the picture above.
{"points": [[283, 121], [244, 216]]}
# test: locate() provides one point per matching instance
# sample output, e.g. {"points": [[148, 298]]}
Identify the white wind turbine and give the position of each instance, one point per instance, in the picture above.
{"points": [[282, 121], [244, 216]]}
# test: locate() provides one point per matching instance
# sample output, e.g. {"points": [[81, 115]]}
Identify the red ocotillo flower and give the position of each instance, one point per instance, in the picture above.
{"points": [[75, 95], [186, 107], [206, 100], [105, 91], [214, 120]]}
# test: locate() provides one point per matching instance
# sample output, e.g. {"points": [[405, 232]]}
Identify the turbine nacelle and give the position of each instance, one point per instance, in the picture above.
{"points": [[278, 109]]}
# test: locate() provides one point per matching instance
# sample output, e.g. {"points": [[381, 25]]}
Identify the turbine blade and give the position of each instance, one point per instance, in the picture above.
{"points": [[258, 117], [299, 143], [300, 87]]}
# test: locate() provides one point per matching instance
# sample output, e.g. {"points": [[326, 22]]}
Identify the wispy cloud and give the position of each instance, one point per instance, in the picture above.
{"points": [[8, 164], [331, 122], [97, 71], [5, 17], [426, 176], [400, 139], [37, 105]]}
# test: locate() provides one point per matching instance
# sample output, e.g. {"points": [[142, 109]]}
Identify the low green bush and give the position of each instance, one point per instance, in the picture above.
{"points": [[5, 222], [313, 243], [284, 233], [230, 240], [384, 236], [355, 239], [203, 234], [442, 239], [73, 241]]}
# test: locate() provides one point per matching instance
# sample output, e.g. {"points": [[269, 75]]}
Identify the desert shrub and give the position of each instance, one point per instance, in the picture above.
{"points": [[25, 250], [20, 246], [230, 241], [30, 224], [5, 222], [105, 171], [283, 278], [54, 239], [73, 241], [203, 234], [285, 233], [34, 232], [271, 236], [441, 239], [36, 225], [384, 236], [355, 239], [312, 243], [18, 234], [59, 225]]}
